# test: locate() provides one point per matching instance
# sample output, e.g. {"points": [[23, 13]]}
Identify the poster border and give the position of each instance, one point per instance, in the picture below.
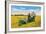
{"points": [[6, 19]]}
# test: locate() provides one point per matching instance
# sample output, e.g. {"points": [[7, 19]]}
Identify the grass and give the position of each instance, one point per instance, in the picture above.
{"points": [[15, 22]]}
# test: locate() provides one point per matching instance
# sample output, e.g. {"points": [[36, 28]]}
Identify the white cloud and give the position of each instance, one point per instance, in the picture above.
{"points": [[22, 8]]}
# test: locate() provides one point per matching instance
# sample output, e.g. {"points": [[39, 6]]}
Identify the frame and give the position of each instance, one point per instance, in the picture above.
{"points": [[13, 6]]}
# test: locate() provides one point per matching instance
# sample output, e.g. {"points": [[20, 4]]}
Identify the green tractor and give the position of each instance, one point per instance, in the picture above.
{"points": [[30, 19]]}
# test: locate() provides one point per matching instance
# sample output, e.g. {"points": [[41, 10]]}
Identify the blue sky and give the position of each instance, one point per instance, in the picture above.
{"points": [[15, 8]]}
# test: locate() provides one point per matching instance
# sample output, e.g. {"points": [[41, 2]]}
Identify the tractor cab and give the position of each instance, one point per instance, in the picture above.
{"points": [[31, 17]]}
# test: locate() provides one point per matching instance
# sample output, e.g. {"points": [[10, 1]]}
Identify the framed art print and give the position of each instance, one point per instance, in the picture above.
{"points": [[24, 16]]}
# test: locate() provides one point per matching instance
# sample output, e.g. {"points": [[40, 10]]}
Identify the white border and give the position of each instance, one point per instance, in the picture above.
{"points": [[22, 29]]}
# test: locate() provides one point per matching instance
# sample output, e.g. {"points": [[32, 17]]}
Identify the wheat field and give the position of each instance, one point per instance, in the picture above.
{"points": [[15, 22]]}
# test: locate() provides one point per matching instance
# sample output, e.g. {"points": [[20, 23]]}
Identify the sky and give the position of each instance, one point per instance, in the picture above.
{"points": [[25, 9], [16, 8]]}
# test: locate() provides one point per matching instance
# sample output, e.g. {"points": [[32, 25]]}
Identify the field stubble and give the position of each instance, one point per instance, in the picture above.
{"points": [[15, 19]]}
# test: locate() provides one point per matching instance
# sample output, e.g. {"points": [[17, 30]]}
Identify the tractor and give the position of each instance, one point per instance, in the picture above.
{"points": [[30, 19]]}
